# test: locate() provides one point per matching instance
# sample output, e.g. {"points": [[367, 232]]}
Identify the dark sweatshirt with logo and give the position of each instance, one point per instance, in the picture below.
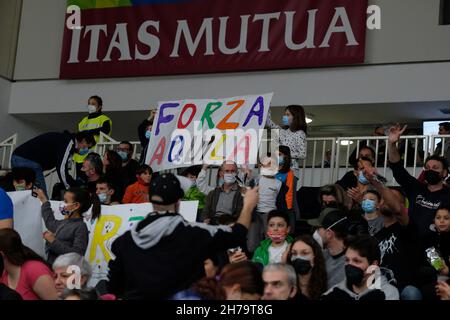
{"points": [[422, 202]]}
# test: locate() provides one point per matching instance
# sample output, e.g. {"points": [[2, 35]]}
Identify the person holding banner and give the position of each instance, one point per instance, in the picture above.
{"points": [[70, 234], [292, 133], [164, 254]]}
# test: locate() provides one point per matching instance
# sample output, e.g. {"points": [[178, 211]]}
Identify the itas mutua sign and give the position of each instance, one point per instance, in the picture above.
{"points": [[161, 37]]}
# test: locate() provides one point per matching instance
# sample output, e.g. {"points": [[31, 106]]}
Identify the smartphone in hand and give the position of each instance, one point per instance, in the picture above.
{"points": [[33, 191]]}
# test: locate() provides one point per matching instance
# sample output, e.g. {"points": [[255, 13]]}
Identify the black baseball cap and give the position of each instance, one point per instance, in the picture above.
{"points": [[167, 187], [318, 222], [330, 218], [335, 220]]}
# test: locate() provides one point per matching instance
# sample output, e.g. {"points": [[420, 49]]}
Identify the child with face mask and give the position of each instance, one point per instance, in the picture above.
{"points": [[272, 196], [70, 234], [272, 249], [371, 205], [194, 193]]}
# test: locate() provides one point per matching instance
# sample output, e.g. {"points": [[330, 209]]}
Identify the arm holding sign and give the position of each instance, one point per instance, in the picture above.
{"points": [[202, 181], [47, 212], [270, 123]]}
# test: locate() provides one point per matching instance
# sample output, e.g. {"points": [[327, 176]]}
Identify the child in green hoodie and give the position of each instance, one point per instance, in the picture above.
{"points": [[271, 250], [194, 193]]}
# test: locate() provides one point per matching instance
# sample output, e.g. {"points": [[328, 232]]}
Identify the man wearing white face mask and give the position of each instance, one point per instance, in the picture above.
{"points": [[226, 199], [332, 228], [94, 123]]}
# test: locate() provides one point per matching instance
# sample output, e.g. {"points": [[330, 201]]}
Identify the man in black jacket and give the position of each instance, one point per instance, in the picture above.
{"points": [[424, 199], [52, 150], [165, 254]]}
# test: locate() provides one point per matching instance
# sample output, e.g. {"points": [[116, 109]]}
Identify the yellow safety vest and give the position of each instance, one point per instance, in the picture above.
{"points": [[91, 124]]}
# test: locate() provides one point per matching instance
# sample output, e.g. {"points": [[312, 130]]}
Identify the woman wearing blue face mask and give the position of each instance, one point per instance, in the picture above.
{"points": [[71, 233], [371, 205], [292, 133], [145, 133]]}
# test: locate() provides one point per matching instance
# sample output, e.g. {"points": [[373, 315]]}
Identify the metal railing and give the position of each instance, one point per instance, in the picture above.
{"points": [[7, 147], [327, 158], [412, 149], [444, 140], [106, 142], [320, 159]]}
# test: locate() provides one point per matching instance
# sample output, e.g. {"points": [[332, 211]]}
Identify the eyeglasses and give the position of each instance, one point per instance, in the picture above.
{"points": [[123, 149]]}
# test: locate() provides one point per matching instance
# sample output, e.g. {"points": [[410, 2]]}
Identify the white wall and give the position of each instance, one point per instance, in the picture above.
{"points": [[9, 29], [40, 39], [410, 32], [10, 124], [312, 87]]}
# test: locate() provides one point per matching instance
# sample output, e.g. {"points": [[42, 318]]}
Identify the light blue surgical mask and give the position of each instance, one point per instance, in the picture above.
{"points": [[362, 179], [123, 155], [148, 134], [368, 206], [280, 160], [83, 151], [229, 178], [103, 197], [286, 121]]}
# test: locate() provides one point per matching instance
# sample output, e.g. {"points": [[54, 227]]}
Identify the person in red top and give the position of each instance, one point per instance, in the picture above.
{"points": [[138, 191], [24, 270]]}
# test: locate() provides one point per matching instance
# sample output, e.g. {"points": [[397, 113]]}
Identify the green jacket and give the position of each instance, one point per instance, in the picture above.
{"points": [[194, 194], [261, 254]]}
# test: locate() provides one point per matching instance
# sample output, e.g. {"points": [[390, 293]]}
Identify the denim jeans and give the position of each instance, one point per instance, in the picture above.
{"points": [[17, 162]]}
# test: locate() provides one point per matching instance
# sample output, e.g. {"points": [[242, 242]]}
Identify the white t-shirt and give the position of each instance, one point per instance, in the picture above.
{"points": [[268, 192], [276, 253]]}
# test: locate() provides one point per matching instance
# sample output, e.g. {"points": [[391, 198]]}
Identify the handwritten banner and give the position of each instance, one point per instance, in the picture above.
{"points": [[192, 132]]}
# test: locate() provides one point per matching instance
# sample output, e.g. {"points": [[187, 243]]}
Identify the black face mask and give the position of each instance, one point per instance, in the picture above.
{"points": [[301, 266], [432, 177], [354, 275]]}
